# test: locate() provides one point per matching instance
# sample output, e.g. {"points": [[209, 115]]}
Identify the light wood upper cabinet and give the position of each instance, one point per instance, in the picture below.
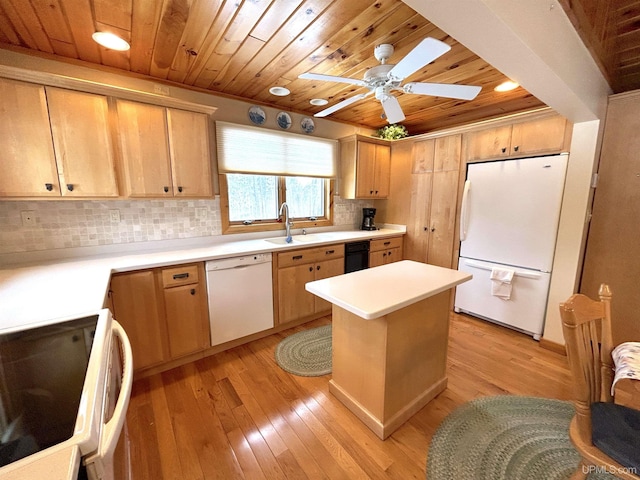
{"points": [[82, 142], [365, 166], [146, 168], [165, 151], [54, 142], [190, 154], [28, 162], [535, 137]]}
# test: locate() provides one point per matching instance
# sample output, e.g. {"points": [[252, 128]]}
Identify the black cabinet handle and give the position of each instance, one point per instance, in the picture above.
{"points": [[426, 229], [370, 191], [48, 186], [179, 276], [389, 252], [70, 187], [166, 189], [318, 267], [387, 243], [193, 291], [376, 192], [433, 229], [516, 148], [384, 254], [296, 257], [180, 189], [311, 269], [329, 252], [504, 149]]}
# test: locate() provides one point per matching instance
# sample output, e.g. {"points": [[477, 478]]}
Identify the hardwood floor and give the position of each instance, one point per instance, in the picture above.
{"points": [[238, 415]]}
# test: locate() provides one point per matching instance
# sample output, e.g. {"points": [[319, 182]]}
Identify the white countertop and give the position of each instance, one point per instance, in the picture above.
{"points": [[55, 291], [378, 291]]}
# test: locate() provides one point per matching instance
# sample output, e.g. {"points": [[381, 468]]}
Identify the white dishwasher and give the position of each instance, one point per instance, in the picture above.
{"points": [[240, 296]]}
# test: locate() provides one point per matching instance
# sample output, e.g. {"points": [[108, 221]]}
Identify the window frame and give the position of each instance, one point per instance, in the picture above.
{"points": [[264, 225]]}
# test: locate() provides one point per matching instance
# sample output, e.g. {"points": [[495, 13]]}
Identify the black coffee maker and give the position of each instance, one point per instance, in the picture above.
{"points": [[367, 219]]}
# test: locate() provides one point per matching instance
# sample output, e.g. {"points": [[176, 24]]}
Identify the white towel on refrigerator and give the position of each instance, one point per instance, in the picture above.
{"points": [[501, 282]]}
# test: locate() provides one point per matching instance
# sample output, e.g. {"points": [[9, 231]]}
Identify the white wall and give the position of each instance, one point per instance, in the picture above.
{"points": [[534, 43]]}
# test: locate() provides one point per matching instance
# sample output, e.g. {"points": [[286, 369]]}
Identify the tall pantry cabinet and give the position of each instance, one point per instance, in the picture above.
{"points": [[423, 196]]}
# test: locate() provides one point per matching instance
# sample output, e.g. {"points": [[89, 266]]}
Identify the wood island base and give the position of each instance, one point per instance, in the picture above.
{"points": [[388, 368]]}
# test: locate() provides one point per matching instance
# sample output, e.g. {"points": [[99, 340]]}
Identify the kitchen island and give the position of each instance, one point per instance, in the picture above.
{"points": [[389, 339]]}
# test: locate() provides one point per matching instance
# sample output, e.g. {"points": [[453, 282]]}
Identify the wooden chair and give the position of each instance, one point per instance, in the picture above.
{"points": [[599, 425]]}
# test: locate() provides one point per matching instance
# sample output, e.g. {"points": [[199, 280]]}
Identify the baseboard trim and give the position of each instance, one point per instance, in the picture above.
{"points": [[553, 346]]}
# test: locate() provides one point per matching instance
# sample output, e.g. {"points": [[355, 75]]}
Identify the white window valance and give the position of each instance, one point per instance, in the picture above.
{"points": [[245, 149]]}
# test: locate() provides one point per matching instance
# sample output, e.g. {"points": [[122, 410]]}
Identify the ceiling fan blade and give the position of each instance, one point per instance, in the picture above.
{"points": [[331, 78], [342, 104], [463, 92], [423, 54], [392, 109]]}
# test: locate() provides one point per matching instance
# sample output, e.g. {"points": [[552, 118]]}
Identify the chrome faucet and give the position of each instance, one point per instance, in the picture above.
{"points": [[287, 223]]}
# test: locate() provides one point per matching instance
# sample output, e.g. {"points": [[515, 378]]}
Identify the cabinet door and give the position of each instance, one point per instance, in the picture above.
{"points": [[186, 319], [365, 169], [327, 269], [539, 136], [377, 258], [294, 301], [27, 161], [442, 218], [84, 152], [417, 240], [382, 173], [490, 143], [394, 255], [190, 154], [136, 307], [142, 130]]}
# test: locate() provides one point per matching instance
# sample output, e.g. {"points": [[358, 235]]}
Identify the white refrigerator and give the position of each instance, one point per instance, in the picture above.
{"points": [[508, 229]]}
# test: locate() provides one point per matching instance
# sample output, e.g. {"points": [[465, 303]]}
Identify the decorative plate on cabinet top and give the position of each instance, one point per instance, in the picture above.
{"points": [[257, 115], [284, 120], [307, 124]]}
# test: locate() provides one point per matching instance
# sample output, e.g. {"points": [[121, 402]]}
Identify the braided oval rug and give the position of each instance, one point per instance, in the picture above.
{"points": [[307, 353], [506, 437]]}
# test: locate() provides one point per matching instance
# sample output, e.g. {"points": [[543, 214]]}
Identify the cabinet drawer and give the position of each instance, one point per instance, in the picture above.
{"points": [[385, 244], [183, 275], [310, 255]]}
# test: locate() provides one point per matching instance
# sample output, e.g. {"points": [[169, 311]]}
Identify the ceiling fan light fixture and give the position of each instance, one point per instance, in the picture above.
{"points": [[111, 41], [279, 91], [507, 86], [319, 102]]}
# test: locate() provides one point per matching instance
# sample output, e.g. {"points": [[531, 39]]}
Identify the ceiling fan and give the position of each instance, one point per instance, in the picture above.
{"points": [[383, 79]]}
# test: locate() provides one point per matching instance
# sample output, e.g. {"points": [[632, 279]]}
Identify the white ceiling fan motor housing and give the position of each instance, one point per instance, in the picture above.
{"points": [[383, 52]]}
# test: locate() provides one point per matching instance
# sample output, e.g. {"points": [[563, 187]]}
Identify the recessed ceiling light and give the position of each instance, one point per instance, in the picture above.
{"points": [[111, 41], [318, 101], [279, 91], [506, 86]]}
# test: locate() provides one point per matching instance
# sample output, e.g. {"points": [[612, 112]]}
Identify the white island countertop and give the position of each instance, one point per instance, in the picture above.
{"points": [[378, 291]]}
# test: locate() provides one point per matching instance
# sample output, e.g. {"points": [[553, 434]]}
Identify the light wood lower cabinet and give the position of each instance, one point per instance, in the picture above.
{"points": [[164, 312], [293, 269], [385, 250]]}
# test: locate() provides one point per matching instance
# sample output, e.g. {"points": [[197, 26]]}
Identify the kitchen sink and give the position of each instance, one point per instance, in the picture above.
{"points": [[295, 239]]}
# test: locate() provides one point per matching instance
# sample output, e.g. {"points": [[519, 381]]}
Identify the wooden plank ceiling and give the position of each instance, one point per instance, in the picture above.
{"points": [[241, 48]]}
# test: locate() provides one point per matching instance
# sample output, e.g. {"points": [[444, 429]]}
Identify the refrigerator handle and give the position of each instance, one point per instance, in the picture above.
{"points": [[464, 213]]}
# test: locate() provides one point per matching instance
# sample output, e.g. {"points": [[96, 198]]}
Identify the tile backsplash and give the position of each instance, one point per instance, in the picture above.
{"points": [[68, 224]]}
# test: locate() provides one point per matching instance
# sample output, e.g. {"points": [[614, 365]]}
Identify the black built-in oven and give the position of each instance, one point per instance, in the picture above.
{"points": [[356, 256]]}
